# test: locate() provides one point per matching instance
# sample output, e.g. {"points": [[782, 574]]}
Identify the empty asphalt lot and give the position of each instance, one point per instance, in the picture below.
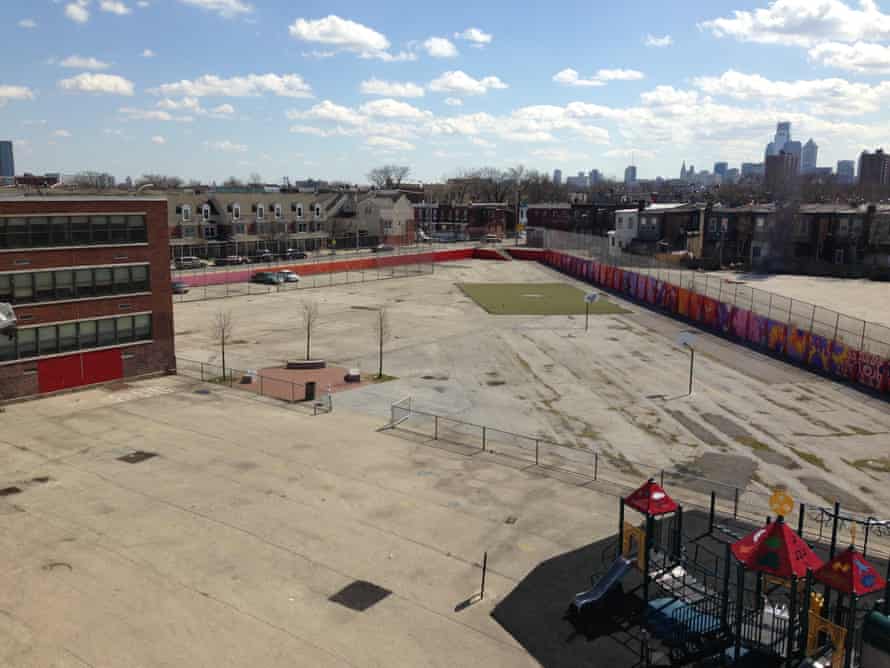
{"points": [[225, 548]]}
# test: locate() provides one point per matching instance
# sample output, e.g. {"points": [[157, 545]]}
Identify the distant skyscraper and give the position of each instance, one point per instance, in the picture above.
{"points": [[782, 137], [630, 175], [7, 162], [781, 172], [752, 170], [578, 182], [809, 157], [683, 170], [720, 169], [846, 171], [874, 168], [557, 177], [595, 177]]}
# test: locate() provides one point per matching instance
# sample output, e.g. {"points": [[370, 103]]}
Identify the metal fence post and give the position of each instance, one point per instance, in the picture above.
{"points": [[483, 439], [735, 503], [537, 444], [261, 384], [596, 465], [435, 427], [661, 478], [862, 342], [202, 372]]}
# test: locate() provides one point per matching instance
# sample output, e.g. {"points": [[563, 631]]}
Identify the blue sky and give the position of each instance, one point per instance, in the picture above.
{"points": [[212, 88]]}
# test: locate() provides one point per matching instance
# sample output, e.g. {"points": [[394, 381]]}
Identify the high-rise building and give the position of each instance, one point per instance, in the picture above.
{"points": [[794, 148], [557, 177], [846, 171], [578, 182], [595, 177], [781, 172], [874, 168], [630, 175], [752, 170], [7, 163], [809, 157], [781, 138], [720, 169], [683, 170]]}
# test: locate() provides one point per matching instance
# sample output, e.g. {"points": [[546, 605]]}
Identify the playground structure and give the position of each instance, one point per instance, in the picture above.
{"points": [[765, 598]]}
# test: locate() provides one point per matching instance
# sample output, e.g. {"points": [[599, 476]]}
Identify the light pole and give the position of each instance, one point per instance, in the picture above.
{"points": [[589, 298], [687, 340]]}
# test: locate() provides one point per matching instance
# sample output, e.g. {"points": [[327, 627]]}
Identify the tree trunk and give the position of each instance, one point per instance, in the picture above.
{"points": [[222, 344], [308, 339], [380, 368]]}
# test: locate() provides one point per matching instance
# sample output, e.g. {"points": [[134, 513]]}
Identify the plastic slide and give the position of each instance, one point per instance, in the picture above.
{"points": [[606, 584]]}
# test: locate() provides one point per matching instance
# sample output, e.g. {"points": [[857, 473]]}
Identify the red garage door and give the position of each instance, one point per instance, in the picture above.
{"points": [[102, 366], [59, 373]]}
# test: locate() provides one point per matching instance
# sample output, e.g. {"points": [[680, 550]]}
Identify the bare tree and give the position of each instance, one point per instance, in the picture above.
{"points": [[309, 315], [233, 182], [383, 333], [255, 179], [388, 176], [222, 331]]}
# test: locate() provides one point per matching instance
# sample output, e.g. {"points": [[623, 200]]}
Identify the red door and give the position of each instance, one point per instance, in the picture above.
{"points": [[102, 366], [59, 373]]}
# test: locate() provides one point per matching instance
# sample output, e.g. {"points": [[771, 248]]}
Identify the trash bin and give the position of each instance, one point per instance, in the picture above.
{"points": [[310, 390]]}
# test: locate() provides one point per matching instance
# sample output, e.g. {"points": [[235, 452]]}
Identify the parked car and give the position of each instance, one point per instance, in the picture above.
{"points": [[289, 276], [263, 256], [231, 259], [491, 239], [267, 278], [189, 262], [294, 254], [383, 248], [179, 288]]}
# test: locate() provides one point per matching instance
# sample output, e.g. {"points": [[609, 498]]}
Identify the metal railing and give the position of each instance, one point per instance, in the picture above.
{"points": [[813, 319], [314, 400]]}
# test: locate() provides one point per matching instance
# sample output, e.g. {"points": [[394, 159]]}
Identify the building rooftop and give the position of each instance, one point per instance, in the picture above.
{"points": [[22, 197]]}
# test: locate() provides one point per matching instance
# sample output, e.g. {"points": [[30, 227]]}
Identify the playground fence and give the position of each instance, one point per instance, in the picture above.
{"points": [[291, 393]]}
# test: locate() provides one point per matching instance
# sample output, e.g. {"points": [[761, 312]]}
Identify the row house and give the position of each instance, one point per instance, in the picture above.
{"points": [[738, 235], [877, 255], [390, 214], [219, 223], [464, 222]]}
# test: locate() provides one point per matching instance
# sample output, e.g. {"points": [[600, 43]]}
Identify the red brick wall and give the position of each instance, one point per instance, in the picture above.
{"points": [[158, 356]]}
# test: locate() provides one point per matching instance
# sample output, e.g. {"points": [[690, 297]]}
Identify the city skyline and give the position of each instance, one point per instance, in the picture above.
{"points": [[330, 91]]}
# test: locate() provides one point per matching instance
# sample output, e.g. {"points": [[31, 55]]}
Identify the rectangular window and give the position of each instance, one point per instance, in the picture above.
{"points": [[83, 279], [43, 286], [121, 277], [139, 278], [39, 231], [117, 226], [87, 334], [260, 212], [107, 336], [64, 284], [5, 288], [59, 231], [17, 233], [27, 342], [23, 288], [142, 327], [99, 229], [67, 337], [47, 338], [186, 213], [7, 348], [80, 230], [124, 330], [103, 281], [136, 231]]}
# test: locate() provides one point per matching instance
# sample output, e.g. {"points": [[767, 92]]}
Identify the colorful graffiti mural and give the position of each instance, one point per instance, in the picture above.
{"points": [[669, 301], [777, 333], [709, 312], [873, 371], [797, 344], [819, 353], [683, 302], [724, 318], [758, 327]]}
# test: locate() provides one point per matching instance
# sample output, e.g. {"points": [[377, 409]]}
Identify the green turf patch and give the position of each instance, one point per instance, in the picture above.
{"points": [[535, 299]]}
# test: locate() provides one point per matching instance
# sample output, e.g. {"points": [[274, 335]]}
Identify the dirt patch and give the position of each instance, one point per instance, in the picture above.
{"points": [[704, 435], [831, 493], [810, 458], [744, 437]]}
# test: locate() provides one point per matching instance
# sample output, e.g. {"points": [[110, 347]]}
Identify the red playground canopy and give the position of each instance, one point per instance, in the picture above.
{"points": [[850, 573], [651, 499], [777, 550]]}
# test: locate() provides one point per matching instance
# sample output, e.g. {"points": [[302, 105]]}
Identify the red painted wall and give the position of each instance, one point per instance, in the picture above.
{"points": [[59, 373], [102, 366]]}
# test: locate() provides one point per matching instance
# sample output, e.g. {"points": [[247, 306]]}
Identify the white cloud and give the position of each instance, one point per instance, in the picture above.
{"points": [[18, 93], [484, 143], [570, 77], [309, 130], [658, 42], [389, 144], [454, 102], [152, 115], [114, 131], [226, 8], [474, 35], [825, 96], [390, 88], [77, 11], [440, 47], [667, 96], [389, 108], [148, 53], [157, 139], [111, 84], [61, 133], [210, 85], [142, 4], [631, 153], [804, 23], [223, 109], [114, 7], [328, 111], [81, 63], [226, 146], [862, 57], [462, 83], [345, 35], [28, 24], [190, 103]]}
